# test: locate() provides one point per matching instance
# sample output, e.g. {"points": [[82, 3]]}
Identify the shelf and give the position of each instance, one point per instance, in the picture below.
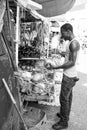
{"points": [[31, 58]]}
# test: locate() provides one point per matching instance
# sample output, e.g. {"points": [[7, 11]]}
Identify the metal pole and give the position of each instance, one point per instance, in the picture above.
{"points": [[17, 33]]}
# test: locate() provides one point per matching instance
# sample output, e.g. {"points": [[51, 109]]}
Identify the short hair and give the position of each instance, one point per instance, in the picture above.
{"points": [[67, 26]]}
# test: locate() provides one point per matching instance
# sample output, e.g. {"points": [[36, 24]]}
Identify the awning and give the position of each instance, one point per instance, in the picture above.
{"points": [[50, 8], [54, 7]]}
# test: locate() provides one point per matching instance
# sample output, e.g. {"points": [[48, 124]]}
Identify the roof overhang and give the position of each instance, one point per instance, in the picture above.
{"points": [[29, 4]]}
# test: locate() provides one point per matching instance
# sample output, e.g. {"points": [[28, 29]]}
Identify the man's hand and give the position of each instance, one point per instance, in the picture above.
{"points": [[61, 53], [49, 66]]}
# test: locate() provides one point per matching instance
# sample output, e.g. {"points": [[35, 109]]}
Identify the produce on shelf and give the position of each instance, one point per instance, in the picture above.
{"points": [[36, 82]]}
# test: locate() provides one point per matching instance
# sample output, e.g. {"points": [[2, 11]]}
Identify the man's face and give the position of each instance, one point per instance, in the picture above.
{"points": [[65, 34]]}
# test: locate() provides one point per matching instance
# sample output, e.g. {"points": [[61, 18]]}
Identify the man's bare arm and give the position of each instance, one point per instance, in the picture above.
{"points": [[74, 48]]}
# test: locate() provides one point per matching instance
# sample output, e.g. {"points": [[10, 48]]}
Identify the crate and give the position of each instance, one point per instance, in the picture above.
{"points": [[58, 74], [55, 98]]}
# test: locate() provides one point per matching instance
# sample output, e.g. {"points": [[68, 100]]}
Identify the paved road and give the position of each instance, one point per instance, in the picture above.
{"points": [[78, 118]]}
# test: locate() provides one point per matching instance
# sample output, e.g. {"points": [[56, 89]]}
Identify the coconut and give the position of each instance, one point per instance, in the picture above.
{"points": [[37, 77]]}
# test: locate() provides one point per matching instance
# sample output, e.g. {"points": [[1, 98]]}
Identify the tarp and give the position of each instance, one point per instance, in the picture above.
{"points": [[54, 7]]}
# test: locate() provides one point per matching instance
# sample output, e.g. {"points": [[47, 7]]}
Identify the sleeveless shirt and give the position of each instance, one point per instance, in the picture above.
{"points": [[72, 71]]}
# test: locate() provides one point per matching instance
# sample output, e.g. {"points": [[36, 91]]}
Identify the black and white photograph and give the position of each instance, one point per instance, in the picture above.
{"points": [[43, 67]]}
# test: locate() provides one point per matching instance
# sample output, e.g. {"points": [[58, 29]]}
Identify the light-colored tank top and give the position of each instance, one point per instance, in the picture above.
{"points": [[72, 71]]}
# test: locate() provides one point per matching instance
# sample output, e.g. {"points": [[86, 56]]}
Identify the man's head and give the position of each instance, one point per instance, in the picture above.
{"points": [[66, 31]]}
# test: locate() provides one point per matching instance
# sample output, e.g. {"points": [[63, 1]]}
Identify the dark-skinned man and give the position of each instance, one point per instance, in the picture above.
{"points": [[69, 75]]}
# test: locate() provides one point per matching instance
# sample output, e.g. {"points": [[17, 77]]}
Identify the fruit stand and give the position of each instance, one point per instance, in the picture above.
{"points": [[36, 82]]}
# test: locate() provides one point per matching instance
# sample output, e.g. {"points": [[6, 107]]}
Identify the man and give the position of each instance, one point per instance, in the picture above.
{"points": [[69, 76]]}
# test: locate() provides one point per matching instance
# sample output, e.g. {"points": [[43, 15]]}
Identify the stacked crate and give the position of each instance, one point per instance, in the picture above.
{"points": [[58, 74]]}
